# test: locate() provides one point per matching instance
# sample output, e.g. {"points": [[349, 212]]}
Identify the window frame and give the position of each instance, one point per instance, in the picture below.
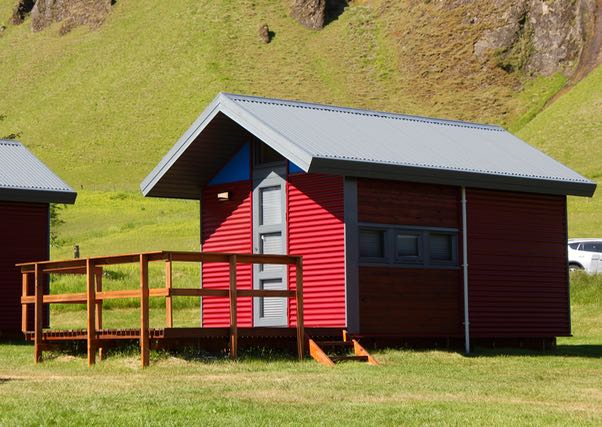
{"points": [[454, 249], [390, 258], [257, 160], [409, 259], [379, 260]]}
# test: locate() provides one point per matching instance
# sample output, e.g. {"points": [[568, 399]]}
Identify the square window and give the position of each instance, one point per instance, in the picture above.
{"points": [[372, 243], [441, 247], [408, 245]]}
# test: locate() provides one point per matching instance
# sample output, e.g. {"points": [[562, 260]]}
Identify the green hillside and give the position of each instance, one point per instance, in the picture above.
{"points": [[570, 130], [102, 107], [109, 103]]}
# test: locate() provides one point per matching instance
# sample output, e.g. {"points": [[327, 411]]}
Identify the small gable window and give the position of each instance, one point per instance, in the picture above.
{"points": [[265, 155]]}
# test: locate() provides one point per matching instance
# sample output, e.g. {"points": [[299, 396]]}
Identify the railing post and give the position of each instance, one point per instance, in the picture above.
{"points": [[299, 299], [24, 293], [233, 310], [91, 308], [168, 286], [38, 312], [98, 306], [144, 315]]}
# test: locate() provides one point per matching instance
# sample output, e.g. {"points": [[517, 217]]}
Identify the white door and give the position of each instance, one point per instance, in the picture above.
{"points": [[269, 237]]}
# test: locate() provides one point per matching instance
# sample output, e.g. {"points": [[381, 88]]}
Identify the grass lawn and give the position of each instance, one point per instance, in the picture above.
{"points": [[410, 388]]}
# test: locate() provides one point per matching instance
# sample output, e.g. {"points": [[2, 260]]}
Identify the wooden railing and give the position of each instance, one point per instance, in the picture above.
{"points": [[92, 268]]}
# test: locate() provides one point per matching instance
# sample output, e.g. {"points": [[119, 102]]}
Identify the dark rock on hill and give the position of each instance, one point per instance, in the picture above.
{"points": [[311, 13], [264, 33], [538, 36], [316, 14], [20, 11]]}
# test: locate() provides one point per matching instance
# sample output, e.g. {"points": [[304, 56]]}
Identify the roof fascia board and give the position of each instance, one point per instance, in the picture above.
{"points": [[266, 133], [450, 177], [180, 146], [37, 196]]}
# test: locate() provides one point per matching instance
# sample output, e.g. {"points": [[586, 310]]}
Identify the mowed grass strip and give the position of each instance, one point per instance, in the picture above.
{"points": [[498, 387], [411, 388]]}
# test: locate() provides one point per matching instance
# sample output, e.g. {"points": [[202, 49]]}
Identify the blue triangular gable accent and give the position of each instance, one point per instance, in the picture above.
{"points": [[237, 169], [293, 168]]}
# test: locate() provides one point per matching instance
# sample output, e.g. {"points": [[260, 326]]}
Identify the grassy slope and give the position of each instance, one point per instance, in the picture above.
{"points": [[570, 130], [410, 388], [102, 107]]}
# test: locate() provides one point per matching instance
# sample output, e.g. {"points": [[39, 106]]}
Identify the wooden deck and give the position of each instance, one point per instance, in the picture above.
{"points": [[96, 336], [180, 333]]}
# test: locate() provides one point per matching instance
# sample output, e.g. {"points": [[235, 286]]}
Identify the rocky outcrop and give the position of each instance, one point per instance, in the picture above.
{"points": [[540, 37], [315, 14], [311, 13], [20, 11], [71, 13]]}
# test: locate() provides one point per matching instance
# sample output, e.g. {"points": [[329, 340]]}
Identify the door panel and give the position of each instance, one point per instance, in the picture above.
{"points": [[270, 205], [269, 237], [271, 243], [270, 308]]}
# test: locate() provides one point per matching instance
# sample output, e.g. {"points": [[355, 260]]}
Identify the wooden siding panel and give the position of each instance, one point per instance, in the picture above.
{"points": [[316, 231], [410, 302], [518, 279], [23, 238], [406, 203], [226, 227]]}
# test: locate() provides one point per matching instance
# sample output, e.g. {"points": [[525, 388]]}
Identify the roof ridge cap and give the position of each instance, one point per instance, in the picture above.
{"points": [[363, 112], [10, 142]]}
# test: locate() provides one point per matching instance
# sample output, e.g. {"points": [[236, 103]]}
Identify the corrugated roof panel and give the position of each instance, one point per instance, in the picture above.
{"points": [[405, 140], [23, 177], [352, 142]]}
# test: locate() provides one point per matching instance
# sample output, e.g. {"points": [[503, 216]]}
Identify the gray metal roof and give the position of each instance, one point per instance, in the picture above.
{"points": [[363, 143], [24, 178]]}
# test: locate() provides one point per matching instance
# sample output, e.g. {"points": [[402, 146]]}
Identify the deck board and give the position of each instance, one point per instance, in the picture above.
{"points": [[180, 333]]}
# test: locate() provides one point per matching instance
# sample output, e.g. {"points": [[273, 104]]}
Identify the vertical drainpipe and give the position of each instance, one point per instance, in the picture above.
{"points": [[465, 268]]}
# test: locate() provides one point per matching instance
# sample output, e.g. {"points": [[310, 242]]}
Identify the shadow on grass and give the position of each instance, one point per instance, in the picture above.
{"points": [[249, 354], [14, 341], [577, 350]]}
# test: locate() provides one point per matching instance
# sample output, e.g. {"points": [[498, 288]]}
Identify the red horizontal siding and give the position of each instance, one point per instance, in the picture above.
{"points": [[518, 279], [407, 203], [316, 230], [226, 227], [23, 237], [410, 302]]}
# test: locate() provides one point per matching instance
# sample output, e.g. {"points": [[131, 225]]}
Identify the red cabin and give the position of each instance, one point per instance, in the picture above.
{"points": [[27, 187], [409, 227]]}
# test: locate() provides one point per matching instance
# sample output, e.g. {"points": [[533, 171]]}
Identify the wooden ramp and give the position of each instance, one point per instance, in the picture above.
{"points": [[339, 351]]}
